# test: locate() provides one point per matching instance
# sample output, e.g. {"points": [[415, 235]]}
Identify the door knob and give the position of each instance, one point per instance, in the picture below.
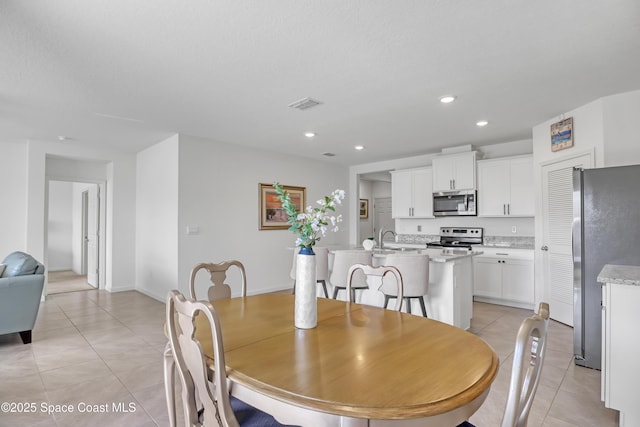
{"points": [[544, 248]]}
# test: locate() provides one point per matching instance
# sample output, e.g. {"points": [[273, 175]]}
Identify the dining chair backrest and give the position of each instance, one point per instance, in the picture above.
{"points": [[528, 357], [374, 277], [414, 268], [342, 261], [218, 290], [192, 364], [415, 274], [218, 275]]}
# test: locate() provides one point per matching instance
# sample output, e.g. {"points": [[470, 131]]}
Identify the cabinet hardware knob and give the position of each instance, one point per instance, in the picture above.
{"points": [[544, 248]]}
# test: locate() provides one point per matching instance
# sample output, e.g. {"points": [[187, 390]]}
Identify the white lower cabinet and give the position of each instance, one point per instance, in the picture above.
{"points": [[620, 351], [504, 277]]}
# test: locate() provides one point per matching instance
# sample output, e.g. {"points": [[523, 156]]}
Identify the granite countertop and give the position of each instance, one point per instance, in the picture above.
{"points": [[620, 274], [489, 241], [435, 254], [508, 245], [504, 245]]}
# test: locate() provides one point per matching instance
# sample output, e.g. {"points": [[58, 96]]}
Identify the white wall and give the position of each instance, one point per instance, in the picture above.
{"points": [[64, 228], [157, 218], [13, 217], [60, 226], [621, 117], [371, 190], [366, 225], [217, 192], [381, 189], [44, 161], [588, 136]]}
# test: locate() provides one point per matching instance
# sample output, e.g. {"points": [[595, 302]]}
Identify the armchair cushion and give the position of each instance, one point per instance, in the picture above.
{"points": [[20, 264]]}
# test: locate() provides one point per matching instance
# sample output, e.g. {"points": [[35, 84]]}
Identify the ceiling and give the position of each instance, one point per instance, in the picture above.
{"points": [[129, 73]]}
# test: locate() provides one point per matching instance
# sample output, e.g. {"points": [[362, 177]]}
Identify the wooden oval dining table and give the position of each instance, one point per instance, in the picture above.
{"points": [[361, 366]]}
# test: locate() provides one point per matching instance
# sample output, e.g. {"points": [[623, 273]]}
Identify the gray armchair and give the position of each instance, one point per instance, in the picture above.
{"points": [[21, 286]]}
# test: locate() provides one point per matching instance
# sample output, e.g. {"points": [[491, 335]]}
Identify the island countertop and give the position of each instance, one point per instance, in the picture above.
{"points": [[435, 254], [620, 274]]}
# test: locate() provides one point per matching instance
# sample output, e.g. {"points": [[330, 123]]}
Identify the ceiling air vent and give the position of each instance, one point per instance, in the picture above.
{"points": [[304, 103], [328, 154]]}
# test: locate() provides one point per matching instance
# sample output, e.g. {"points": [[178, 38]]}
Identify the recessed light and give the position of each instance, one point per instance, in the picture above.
{"points": [[447, 99], [482, 123], [359, 147], [63, 138], [309, 134]]}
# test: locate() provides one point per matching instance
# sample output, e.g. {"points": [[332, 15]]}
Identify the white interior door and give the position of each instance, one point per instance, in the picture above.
{"points": [[92, 235], [557, 258], [382, 212]]}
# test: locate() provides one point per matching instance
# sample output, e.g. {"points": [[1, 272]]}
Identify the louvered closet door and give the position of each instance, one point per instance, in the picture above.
{"points": [[557, 187]]}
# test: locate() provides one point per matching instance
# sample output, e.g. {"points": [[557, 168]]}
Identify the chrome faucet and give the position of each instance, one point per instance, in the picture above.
{"points": [[381, 235]]}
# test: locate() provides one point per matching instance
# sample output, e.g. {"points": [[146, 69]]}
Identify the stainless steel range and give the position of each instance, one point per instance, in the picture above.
{"points": [[458, 237]]}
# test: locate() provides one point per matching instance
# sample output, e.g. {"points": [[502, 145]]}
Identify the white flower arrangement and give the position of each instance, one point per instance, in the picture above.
{"points": [[313, 223]]}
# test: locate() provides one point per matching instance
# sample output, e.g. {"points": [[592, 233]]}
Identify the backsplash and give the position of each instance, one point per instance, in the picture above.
{"points": [[520, 242], [418, 238], [517, 242]]}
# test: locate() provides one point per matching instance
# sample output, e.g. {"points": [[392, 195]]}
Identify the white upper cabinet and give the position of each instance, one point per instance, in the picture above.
{"points": [[412, 194], [505, 187], [454, 172]]}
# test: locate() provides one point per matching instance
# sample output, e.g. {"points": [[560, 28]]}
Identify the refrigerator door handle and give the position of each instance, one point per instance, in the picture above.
{"points": [[576, 254]]}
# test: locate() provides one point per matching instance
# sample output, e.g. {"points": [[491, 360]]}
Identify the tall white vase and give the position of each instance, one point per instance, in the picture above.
{"points": [[306, 303]]}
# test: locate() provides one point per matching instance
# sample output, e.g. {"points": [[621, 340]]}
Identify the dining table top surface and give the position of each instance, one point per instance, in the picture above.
{"points": [[360, 361]]}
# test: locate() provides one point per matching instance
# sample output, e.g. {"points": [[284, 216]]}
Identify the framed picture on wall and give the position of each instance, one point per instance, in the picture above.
{"points": [[364, 208], [562, 134], [272, 216]]}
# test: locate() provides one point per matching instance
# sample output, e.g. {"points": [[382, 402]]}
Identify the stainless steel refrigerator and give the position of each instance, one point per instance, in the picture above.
{"points": [[606, 230]]}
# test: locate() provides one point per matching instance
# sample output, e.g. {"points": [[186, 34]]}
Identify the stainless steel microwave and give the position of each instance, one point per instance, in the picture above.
{"points": [[454, 203]]}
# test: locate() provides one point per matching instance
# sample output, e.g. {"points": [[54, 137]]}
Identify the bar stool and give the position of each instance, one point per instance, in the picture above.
{"points": [[342, 261]]}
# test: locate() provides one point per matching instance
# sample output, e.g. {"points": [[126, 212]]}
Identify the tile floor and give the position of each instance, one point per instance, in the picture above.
{"points": [[93, 350], [59, 282]]}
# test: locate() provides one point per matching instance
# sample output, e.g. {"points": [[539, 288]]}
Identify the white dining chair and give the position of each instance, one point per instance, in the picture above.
{"points": [[343, 259], [374, 279], [218, 290], [219, 408], [415, 279], [322, 267], [528, 357]]}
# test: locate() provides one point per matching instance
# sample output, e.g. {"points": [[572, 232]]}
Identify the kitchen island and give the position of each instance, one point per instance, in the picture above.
{"points": [[450, 295]]}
